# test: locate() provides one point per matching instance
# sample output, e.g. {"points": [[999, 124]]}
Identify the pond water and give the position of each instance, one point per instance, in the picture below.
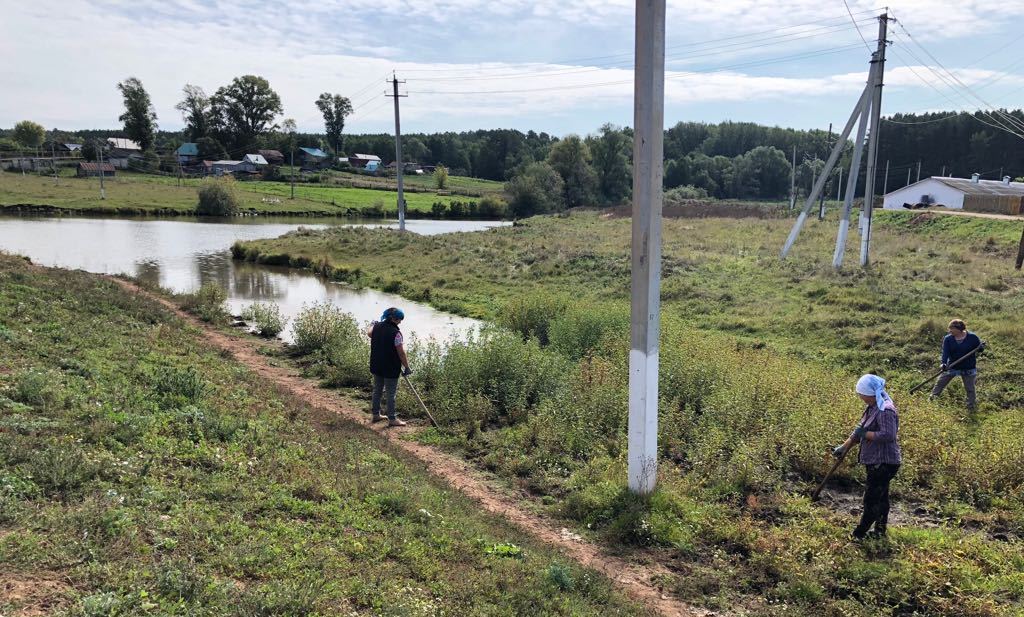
{"points": [[181, 254]]}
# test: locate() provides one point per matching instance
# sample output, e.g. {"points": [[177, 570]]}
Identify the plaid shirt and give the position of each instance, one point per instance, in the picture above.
{"points": [[885, 447]]}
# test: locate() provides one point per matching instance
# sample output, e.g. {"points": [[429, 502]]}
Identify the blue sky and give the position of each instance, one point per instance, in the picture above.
{"points": [[556, 66]]}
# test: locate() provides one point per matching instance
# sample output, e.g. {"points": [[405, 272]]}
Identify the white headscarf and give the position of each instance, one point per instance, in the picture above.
{"points": [[873, 385]]}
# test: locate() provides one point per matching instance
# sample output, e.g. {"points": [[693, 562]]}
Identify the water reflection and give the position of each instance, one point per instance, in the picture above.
{"points": [[182, 254]]}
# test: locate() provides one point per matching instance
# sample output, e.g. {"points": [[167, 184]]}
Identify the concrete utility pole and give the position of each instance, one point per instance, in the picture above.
{"points": [[908, 177], [99, 149], [839, 188], [645, 302], [293, 171], [398, 153], [851, 180], [919, 170], [53, 162], [792, 182], [829, 165], [821, 202], [876, 131], [885, 182]]}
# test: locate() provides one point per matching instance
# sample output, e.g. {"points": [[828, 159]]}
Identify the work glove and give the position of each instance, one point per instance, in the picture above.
{"points": [[839, 452], [407, 371], [981, 348], [943, 367], [860, 432]]}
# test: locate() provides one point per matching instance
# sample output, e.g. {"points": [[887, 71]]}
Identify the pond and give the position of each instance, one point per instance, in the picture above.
{"points": [[181, 254]]}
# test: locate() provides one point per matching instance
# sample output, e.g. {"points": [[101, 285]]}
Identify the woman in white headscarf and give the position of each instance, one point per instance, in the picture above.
{"points": [[880, 454]]}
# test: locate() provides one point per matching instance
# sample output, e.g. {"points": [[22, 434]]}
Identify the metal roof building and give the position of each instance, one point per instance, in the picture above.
{"points": [[970, 194]]}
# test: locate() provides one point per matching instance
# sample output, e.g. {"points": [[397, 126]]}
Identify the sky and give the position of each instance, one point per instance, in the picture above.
{"points": [[562, 66]]}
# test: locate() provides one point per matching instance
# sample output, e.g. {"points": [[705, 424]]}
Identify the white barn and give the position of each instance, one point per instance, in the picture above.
{"points": [[972, 194]]}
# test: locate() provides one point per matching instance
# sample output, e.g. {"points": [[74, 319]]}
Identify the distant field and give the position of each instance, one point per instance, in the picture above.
{"points": [[142, 194], [426, 181]]}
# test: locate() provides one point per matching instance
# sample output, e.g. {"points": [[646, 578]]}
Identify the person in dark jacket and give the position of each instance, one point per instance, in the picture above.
{"points": [[878, 436], [387, 362], [955, 345]]}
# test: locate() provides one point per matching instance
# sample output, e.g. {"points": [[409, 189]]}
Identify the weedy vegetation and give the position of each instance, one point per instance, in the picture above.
{"points": [[758, 361], [141, 472]]}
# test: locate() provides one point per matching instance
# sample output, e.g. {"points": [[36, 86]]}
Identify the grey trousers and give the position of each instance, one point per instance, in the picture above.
{"points": [[969, 381], [380, 386]]}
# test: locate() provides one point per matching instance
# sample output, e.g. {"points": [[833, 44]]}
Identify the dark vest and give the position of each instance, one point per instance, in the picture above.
{"points": [[384, 360]]}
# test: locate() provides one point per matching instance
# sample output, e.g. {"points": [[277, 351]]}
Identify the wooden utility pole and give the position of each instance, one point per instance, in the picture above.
{"points": [[398, 153], [293, 169], [99, 149], [876, 131], [53, 161], [645, 300]]}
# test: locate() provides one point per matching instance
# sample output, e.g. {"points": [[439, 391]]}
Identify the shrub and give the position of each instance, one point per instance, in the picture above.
{"points": [[60, 469], [267, 317], [441, 177], [579, 332], [207, 302], [493, 207], [347, 353], [530, 315], [218, 198], [687, 191], [320, 323]]}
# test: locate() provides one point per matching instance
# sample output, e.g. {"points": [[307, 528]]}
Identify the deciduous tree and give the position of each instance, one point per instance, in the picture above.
{"points": [[571, 158], [245, 109], [611, 150], [335, 108], [139, 117], [537, 189], [196, 111], [29, 134]]}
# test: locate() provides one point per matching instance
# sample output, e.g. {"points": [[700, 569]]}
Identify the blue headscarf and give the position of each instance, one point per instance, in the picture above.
{"points": [[873, 385], [392, 312]]}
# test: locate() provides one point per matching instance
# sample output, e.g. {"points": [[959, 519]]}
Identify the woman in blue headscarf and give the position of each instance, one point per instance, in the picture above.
{"points": [[880, 454]]}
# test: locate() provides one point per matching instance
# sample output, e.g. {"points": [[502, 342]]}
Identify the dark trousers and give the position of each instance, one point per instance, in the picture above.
{"points": [[876, 499]]}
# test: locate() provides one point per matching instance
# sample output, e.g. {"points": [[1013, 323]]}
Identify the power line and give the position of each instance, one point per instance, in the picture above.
{"points": [[674, 76]]}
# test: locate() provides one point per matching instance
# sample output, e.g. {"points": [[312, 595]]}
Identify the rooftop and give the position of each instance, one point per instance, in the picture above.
{"points": [[983, 187]]}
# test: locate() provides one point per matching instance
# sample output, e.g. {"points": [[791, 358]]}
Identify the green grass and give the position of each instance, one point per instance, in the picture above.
{"points": [[131, 193], [464, 185], [141, 472], [758, 362]]}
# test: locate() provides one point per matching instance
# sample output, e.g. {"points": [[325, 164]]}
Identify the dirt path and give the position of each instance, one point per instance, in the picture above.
{"points": [[638, 580]]}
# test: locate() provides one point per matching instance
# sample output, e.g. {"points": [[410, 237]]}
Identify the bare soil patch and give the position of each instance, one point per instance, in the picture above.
{"points": [[29, 595]]}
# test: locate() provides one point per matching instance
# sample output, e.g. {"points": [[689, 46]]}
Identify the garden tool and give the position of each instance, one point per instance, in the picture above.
{"points": [[977, 349], [417, 394]]}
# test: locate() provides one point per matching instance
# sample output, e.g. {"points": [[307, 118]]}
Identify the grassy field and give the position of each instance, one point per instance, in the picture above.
{"points": [[143, 473], [456, 184], [144, 194], [758, 361]]}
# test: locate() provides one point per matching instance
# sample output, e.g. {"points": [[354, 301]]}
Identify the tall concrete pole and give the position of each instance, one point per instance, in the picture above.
{"points": [[885, 182], [919, 171], [829, 165], [103, 192], [821, 201], [645, 302], [398, 157], [792, 182], [876, 130], [851, 181], [839, 188], [908, 176]]}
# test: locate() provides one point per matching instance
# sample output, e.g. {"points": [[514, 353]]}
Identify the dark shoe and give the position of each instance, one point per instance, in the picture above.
{"points": [[374, 419], [396, 422], [858, 536], [877, 534]]}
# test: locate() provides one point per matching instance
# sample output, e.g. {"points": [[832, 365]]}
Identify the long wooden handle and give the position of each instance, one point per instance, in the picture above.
{"points": [[959, 360], [817, 491], [417, 394]]}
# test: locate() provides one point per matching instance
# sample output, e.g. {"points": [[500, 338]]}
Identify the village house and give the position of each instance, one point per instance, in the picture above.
{"points": [[90, 170], [364, 160], [312, 158], [273, 157], [122, 153], [187, 153]]}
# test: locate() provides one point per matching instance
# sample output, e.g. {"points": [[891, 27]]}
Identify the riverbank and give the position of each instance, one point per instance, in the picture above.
{"points": [[142, 195], [758, 362], [143, 471]]}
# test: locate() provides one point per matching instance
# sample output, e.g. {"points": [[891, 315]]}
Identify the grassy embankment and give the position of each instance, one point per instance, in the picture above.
{"points": [[143, 473], [137, 194], [758, 362]]}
